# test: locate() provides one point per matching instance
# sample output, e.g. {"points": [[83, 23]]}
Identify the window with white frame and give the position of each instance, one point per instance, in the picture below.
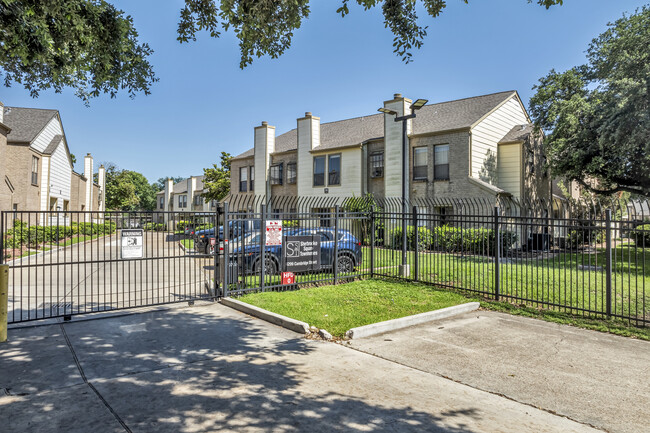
{"points": [[377, 164], [334, 170], [319, 171], [162, 202], [276, 174], [441, 162], [182, 201], [291, 173], [198, 200], [243, 179], [420, 158], [34, 170]]}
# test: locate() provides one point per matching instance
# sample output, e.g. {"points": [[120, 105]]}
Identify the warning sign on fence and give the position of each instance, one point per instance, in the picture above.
{"points": [[132, 243], [273, 232]]}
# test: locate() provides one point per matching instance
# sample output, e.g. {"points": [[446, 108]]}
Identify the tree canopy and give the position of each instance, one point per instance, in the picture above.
{"points": [[159, 185], [217, 179], [597, 115], [128, 190], [93, 47], [87, 45]]}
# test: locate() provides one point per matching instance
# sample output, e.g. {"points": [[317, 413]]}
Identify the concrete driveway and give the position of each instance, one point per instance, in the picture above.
{"points": [[595, 378], [208, 369]]}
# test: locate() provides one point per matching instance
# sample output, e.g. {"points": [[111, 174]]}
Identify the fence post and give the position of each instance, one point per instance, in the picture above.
{"points": [[335, 267], [4, 301], [372, 241], [416, 240], [263, 247], [497, 255], [608, 258], [226, 248]]}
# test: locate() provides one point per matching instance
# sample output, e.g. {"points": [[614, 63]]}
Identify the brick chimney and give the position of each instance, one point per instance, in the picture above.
{"points": [[308, 140], [393, 146], [264, 147]]}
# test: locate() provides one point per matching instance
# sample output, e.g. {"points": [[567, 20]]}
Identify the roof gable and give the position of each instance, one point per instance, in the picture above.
{"points": [[26, 123]]}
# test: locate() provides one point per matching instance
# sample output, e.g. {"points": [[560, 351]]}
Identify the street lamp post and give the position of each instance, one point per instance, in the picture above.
{"points": [[404, 268]]}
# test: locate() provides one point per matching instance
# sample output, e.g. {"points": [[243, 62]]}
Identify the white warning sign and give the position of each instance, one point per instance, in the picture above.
{"points": [[273, 232], [132, 243]]}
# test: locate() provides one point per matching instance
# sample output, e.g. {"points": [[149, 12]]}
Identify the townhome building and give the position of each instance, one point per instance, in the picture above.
{"points": [[183, 196], [36, 168], [478, 147]]}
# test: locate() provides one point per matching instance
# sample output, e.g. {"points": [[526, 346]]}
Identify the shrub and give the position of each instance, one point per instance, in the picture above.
{"points": [[470, 240], [288, 224], [641, 236], [154, 227], [584, 236], [182, 225], [424, 238]]}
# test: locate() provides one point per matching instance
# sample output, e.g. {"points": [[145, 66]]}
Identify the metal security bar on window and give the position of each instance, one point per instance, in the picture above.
{"points": [[377, 164]]}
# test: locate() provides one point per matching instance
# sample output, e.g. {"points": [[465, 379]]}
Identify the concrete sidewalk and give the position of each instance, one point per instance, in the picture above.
{"points": [[592, 377], [209, 368]]}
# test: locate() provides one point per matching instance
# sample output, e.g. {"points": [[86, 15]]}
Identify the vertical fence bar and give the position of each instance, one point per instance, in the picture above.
{"points": [[335, 265], [216, 251], [372, 241], [262, 247], [608, 258], [226, 248], [497, 255], [416, 242]]}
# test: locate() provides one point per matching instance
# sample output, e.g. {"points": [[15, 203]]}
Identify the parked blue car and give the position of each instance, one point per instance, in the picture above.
{"points": [[246, 251], [237, 228]]}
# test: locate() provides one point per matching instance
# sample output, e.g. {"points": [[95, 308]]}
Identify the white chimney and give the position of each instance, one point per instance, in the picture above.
{"points": [[88, 174], [264, 147], [308, 140], [101, 180], [169, 189], [393, 146], [2, 112]]}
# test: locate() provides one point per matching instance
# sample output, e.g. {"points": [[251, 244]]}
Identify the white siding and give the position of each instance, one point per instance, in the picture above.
{"points": [[509, 168], [61, 174], [493, 128], [45, 170], [350, 175], [47, 134]]}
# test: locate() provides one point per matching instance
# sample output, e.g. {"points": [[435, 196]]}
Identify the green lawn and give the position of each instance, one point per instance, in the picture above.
{"points": [[75, 240], [341, 307], [572, 281], [188, 243]]}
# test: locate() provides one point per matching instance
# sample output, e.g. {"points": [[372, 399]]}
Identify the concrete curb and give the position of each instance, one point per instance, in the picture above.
{"points": [[276, 319], [405, 322]]}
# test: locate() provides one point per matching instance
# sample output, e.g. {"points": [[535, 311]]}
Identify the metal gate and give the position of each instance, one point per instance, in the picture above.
{"points": [[68, 263]]}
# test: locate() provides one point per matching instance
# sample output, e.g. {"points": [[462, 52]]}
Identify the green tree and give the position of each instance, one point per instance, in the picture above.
{"points": [[127, 190], [87, 45], [159, 185], [266, 27], [217, 179], [597, 115]]}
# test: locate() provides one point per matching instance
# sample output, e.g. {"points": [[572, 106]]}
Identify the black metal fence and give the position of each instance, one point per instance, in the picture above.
{"points": [[67, 263], [590, 259]]}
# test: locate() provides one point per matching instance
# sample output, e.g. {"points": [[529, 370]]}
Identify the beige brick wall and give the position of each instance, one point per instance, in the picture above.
{"points": [[285, 189], [235, 165], [77, 192], [18, 168]]}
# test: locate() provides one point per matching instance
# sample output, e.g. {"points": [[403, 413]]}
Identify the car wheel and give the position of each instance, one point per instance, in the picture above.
{"points": [[344, 264], [270, 267]]}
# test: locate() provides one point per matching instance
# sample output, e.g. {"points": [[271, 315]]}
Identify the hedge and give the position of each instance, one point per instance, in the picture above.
{"points": [[641, 236], [453, 239], [23, 234]]}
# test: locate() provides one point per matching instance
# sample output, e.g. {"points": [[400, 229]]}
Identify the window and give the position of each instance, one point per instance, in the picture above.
{"points": [[276, 213], [198, 200], [276, 174], [291, 173], [324, 215], [243, 179], [15, 207], [34, 170], [441, 162], [377, 164], [319, 171], [182, 201], [420, 163], [252, 177], [334, 166], [162, 202]]}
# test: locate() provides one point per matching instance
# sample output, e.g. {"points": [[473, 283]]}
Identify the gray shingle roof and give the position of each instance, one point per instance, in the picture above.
{"points": [[443, 116], [26, 123], [56, 140], [517, 134]]}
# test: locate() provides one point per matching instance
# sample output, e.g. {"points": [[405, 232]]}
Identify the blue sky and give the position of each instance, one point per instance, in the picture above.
{"points": [[336, 68]]}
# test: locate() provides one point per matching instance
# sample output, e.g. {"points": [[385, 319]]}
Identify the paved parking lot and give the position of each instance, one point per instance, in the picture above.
{"points": [[208, 368], [592, 377]]}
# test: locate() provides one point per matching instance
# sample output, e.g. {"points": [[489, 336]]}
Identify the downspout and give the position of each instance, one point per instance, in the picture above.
{"points": [[470, 154]]}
